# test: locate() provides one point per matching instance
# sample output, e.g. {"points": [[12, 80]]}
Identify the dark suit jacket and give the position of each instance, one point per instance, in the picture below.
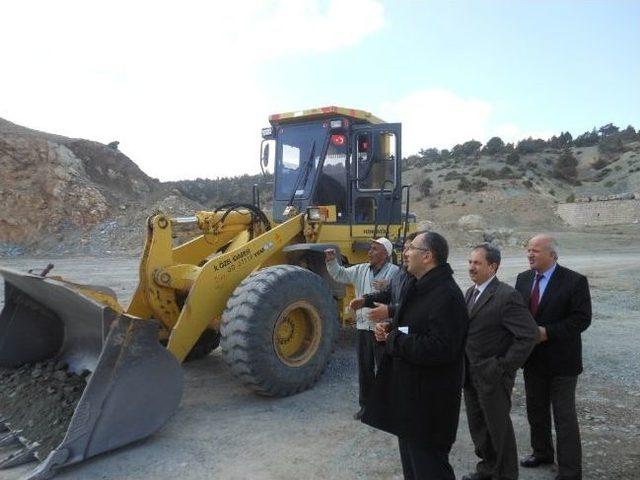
{"points": [[417, 391], [565, 312], [502, 334]]}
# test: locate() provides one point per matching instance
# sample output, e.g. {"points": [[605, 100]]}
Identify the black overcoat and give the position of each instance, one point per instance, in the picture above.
{"points": [[565, 312], [418, 386]]}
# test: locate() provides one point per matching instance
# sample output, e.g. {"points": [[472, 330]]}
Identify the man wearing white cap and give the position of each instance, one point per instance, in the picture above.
{"points": [[365, 278]]}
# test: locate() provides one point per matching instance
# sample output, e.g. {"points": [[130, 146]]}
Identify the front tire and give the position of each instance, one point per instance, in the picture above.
{"points": [[278, 329], [207, 343]]}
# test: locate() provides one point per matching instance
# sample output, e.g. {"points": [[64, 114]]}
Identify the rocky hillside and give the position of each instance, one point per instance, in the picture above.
{"points": [[65, 196], [215, 192], [516, 187]]}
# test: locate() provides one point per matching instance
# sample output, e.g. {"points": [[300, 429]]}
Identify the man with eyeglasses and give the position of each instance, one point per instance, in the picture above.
{"points": [[418, 387], [365, 277]]}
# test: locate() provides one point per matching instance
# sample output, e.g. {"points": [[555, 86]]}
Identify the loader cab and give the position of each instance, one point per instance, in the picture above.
{"points": [[343, 159]]}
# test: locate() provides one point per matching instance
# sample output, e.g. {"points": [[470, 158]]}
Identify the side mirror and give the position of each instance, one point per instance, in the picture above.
{"points": [[265, 155]]}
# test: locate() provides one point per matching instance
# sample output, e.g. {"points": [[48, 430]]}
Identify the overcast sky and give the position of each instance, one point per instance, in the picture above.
{"points": [[186, 86]]}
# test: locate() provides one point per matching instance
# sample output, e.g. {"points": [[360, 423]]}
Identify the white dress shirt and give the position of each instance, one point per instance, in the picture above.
{"points": [[483, 286]]}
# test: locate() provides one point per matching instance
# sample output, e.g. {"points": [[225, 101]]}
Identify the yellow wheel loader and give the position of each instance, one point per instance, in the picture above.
{"points": [[256, 286]]}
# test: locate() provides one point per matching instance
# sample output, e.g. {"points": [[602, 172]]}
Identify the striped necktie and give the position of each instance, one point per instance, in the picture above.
{"points": [[472, 299]]}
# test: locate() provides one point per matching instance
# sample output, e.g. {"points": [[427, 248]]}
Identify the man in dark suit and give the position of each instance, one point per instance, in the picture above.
{"points": [[417, 390], [501, 335], [560, 302]]}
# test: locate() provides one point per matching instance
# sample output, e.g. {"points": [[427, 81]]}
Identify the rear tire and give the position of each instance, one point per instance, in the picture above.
{"points": [[278, 330]]}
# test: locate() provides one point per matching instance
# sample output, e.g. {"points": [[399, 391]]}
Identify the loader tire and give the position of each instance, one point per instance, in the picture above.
{"points": [[207, 343], [278, 330]]}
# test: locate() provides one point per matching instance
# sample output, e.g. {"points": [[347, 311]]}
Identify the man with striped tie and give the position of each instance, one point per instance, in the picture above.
{"points": [[560, 302], [501, 336]]}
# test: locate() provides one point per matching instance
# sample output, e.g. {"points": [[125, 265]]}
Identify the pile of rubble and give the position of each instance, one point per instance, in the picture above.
{"points": [[37, 402], [476, 231]]}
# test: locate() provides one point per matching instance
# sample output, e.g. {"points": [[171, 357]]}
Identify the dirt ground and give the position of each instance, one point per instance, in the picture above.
{"points": [[224, 431]]}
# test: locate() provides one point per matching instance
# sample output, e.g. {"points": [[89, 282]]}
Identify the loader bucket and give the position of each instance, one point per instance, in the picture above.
{"points": [[76, 378]]}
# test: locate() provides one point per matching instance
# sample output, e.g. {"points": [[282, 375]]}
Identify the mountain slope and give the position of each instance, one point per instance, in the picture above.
{"points": [[65, 195]]}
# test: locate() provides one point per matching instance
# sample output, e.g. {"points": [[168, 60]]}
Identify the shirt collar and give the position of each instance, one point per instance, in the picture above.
{"points": [[482, 287], [376, 271], [547, 273]]}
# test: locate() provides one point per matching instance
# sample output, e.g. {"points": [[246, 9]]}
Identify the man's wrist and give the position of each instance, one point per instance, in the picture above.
{"points": [[391, 308]]}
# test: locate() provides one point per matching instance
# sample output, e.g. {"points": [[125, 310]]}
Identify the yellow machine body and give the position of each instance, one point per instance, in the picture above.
{"points": [[255, 285]]}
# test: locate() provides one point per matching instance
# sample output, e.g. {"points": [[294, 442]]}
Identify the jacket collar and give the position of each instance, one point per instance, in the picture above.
{"points": [[549, 292], [433, 277], [484, 297]]}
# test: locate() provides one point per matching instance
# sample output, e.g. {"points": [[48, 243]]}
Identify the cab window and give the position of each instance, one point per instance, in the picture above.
{"points": [[376, 160], [332, 183]]}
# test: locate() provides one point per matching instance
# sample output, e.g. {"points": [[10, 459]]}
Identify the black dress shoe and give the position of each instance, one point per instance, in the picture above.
{"points": [[358, 415], [532, 461], [476, 476]]}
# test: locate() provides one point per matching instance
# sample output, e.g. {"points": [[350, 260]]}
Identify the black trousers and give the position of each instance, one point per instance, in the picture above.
{"points": [[369, 355], [488, 412], [425, 462], [545, 393]]}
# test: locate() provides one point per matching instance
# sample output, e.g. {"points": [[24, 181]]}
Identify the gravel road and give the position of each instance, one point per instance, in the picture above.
{"points": [[224, 431]]}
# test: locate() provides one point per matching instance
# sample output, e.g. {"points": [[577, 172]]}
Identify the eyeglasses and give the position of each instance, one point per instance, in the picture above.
{"points": [[411, 246]]}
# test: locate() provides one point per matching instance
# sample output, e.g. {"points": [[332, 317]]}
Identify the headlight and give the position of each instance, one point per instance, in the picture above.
{"points": [[317, 214], [313, 213]]}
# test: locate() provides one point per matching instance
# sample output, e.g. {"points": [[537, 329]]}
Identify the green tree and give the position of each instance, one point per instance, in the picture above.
{"points": [[565, 167], [466, 149], [611, 144], [628, 134], [608, 129], [563, 140], [411, 161], [425, 187], [475, 185], [493, 146], [566, 139], [531, 145], [429, 155], [513, 158], [587, 139]]}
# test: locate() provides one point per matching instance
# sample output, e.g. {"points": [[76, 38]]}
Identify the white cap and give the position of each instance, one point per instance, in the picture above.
{"points": [[388, 246]]}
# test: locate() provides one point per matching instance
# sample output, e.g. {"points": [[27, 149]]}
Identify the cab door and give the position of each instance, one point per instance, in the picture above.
{"points": [[375, 174]]}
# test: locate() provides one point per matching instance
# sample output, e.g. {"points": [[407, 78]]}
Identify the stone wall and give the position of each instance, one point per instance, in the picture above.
{"points": [[610, 212]]}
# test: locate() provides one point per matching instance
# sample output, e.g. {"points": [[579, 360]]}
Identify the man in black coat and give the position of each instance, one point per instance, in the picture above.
{"points": [[417, 391], [560, 302], [501, 335]]}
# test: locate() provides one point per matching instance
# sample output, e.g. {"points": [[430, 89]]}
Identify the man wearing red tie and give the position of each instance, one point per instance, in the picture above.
{"points": [[560, 302]]}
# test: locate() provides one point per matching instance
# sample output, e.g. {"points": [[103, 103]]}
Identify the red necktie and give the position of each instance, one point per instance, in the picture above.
{"points": [[534, 300]]}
